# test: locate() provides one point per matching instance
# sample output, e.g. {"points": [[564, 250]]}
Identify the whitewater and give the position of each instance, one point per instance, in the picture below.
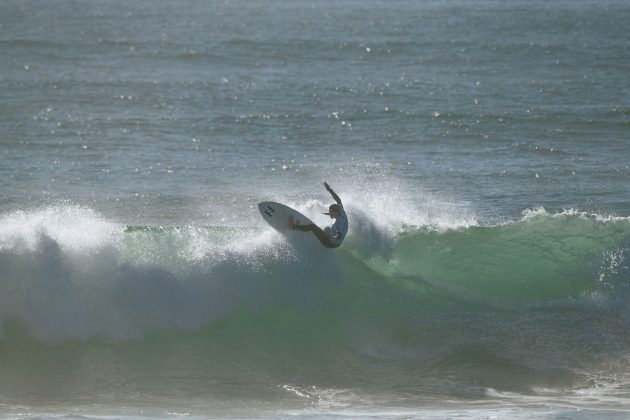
{"points": [[481, 151]]}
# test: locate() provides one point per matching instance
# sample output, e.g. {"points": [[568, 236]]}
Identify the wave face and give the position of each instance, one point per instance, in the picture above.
{"points": [[93, 307]]}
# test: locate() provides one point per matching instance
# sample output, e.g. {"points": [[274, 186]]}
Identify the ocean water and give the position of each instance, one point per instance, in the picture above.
{"points": [[481, 149]]}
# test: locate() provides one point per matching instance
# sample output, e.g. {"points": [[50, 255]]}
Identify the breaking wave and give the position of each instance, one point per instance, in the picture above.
{"points": [[542, 299]]}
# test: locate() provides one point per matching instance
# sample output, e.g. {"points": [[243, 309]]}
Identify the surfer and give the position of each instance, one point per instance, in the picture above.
{"points": [[333, 236]]}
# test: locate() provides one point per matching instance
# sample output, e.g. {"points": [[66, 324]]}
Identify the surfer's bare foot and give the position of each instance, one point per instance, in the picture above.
{"points": [[290, 222]]}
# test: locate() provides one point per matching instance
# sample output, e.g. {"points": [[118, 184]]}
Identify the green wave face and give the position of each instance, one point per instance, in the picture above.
{"points": [[540, 258]]}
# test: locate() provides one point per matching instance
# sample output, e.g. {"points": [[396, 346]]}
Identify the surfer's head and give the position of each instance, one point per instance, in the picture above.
{"points": [[333, 211]]}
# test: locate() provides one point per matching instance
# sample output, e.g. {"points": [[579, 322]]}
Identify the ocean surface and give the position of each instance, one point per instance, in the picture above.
{"points": [[481, 149]]}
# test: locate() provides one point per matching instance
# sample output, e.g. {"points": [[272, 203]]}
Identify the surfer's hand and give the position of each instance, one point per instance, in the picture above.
{"points": [[327, 186]]}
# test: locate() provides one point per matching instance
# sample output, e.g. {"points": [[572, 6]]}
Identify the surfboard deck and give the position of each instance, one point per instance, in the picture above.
{"points": [[277, 215]]}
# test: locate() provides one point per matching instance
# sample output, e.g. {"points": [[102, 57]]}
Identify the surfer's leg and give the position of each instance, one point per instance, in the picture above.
{"points": [[320, 234], [303, 228]]}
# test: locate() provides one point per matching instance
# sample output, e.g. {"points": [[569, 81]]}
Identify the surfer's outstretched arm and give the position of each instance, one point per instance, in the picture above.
{"points": [[334, 195]]}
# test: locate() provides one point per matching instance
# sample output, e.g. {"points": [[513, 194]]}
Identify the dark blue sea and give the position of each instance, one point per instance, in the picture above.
{"points": [[481, 149]]}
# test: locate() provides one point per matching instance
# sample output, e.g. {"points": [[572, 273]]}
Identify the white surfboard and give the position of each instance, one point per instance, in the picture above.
{"points": [[277, 215]]}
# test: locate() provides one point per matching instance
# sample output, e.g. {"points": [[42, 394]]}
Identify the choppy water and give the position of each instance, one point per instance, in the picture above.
{"points": [[480, 148]]}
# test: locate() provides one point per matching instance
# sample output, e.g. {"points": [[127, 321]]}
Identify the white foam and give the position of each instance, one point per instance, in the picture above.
{"points": [[534, 213], [65, 272], [71, 227]]}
